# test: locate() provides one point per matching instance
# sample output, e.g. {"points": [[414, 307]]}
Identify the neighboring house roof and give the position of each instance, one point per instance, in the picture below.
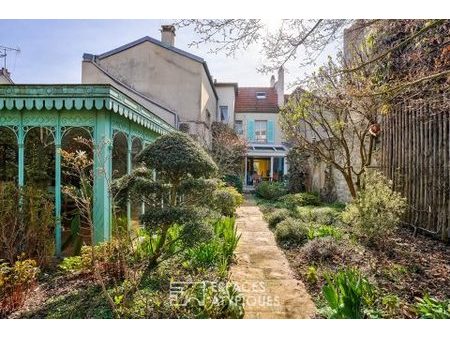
{"points": [[247, 102], [90, 57]]}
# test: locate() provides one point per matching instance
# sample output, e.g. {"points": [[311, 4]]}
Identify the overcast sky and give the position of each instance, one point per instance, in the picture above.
{"points": [[51, 50]]}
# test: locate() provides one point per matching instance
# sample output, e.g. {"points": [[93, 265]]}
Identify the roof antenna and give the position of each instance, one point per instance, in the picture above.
{"points": [[4, 53]]}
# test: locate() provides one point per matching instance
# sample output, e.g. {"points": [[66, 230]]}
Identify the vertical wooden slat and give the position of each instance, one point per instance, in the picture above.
{"points": [[420, 164], [416, 157], [446, 138]]}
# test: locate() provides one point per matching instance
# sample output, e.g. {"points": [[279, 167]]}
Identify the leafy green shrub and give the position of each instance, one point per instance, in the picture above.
{"points": [[391, 305], [292, 201], [26, 223], [207, 300], [323, 215], [431, 308], [321, 249], [226, 200], [204, 255], [16, 282], [219, 251], [291, 232], [276, 217], [321, 230], [311, 275], [108, 258], [235, 182], [377, 210], [348, 293], [270, 190], [71, 264]]}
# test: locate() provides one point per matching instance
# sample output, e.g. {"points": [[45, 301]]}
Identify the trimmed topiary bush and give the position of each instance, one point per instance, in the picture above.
{"points": [[291, 232], [276, 217], [177, 156], [176, 199], [270, 190]]}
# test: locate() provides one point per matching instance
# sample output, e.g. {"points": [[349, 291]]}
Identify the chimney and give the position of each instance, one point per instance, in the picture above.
{"points": [[272, 81], [5, 76], [279, 85], [168, 34]]}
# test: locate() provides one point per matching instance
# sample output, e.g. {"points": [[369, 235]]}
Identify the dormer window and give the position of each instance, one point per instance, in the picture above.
{"points": [[260, 95]]}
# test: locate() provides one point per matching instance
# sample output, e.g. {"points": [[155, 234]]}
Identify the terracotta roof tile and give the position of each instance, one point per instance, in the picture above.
{"points": [[246, 101]]}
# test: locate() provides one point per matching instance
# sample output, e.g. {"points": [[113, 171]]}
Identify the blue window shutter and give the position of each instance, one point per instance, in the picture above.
{"points": [[251, 130], [270, 132]]}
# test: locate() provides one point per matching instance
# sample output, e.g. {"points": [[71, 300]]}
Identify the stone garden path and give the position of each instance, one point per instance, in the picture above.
{"points": [[262, 272]]}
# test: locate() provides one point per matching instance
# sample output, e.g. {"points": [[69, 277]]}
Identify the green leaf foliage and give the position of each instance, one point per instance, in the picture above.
{"points": [[176, 156], [270, 190], [347, 293], [377, 210], [431, 308]]}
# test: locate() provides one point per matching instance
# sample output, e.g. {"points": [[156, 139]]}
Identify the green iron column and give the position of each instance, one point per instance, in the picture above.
{"points": [[21, 155], [58, 187], [129, 167], [102, 177]]}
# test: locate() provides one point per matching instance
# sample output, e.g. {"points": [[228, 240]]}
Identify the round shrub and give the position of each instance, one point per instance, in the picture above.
{"points": [[322, 215], [176, 156], [321, 249], [377, 210], [234, 181], [270, 190], [291, 232], [297, 200], [226, 200], [276, 217]]}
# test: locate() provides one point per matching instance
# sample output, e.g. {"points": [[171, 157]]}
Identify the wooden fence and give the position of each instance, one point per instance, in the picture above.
{"points": [[415, 155]]}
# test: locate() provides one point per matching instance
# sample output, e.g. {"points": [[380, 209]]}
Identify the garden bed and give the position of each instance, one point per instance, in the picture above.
{"points": [[402, 270]]}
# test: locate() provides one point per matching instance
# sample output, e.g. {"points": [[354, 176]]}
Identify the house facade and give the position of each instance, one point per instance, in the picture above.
{"points": [[178, 87], [253, 112]]}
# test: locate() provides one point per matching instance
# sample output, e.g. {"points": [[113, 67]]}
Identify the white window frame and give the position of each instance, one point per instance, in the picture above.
{"points": [[261, 95], [227, 113], [261, 131], [241, 130]]}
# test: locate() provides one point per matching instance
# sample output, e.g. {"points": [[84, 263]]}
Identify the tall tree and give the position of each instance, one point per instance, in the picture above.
{"points": [[228, 149]]}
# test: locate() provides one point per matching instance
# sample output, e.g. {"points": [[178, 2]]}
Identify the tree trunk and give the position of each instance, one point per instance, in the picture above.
{"points": [[350, 184]]}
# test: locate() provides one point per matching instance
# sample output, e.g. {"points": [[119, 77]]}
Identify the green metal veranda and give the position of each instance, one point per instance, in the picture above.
{"points": [[103, 111]]}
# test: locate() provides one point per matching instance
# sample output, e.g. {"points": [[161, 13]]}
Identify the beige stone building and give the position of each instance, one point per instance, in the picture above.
{"points": [[174, 84], [178, 87]]}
